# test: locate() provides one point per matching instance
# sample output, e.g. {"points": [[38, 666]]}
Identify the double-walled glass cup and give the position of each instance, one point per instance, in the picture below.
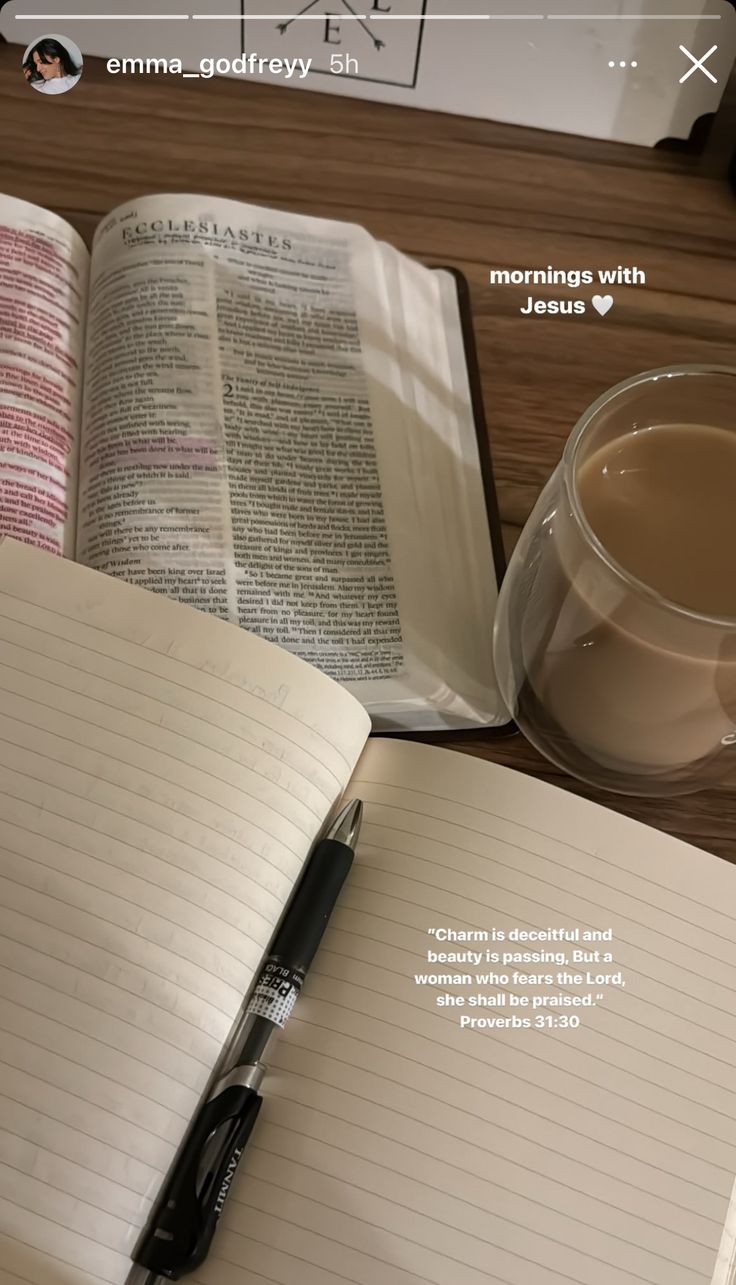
{"points": [[610, 680]]}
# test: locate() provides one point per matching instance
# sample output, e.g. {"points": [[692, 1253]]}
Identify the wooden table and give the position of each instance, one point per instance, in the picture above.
{"points": [[447, 190]]}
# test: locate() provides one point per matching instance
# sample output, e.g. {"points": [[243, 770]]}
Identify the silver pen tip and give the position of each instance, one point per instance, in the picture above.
{"points": [[141, 1276], [346, 826]]}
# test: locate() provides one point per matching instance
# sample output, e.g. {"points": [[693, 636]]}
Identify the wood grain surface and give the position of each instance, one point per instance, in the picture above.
{"points": [[445, 189]]}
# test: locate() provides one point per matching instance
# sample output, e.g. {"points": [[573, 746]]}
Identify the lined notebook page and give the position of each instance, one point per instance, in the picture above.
{"points": [[162, 776], [394, 1147]]}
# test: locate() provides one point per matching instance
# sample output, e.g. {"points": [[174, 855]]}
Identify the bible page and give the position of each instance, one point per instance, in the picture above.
{"points": [[253, 405], [439, 1110], [428, 459], [162, 778], [44, 267]]}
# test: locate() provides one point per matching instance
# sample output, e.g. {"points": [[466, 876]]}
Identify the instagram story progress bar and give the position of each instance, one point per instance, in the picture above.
{"points": [[342, 11]]}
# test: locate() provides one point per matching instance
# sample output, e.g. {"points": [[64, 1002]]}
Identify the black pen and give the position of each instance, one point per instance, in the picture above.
{"points": [[181, 1225]]}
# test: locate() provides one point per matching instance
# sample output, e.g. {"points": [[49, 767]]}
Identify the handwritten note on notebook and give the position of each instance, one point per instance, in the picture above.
{"points": [[396, 1147], [162, 777]]}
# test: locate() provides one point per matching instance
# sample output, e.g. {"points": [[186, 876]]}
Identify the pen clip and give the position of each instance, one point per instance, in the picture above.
{"points": [[181, 1226]]}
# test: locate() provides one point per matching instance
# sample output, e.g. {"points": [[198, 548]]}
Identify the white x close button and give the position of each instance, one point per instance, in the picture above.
{"points": [[698, 64]]}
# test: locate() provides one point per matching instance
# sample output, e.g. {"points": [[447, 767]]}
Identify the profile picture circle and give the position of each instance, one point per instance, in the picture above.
{"points": [[52, 64]]}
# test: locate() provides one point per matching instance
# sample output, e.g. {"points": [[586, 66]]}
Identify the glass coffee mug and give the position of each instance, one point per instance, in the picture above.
{"points": [[622, 669]]}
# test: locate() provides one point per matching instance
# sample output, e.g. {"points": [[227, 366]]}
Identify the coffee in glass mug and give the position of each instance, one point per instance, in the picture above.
{"points": [[615, 638]]}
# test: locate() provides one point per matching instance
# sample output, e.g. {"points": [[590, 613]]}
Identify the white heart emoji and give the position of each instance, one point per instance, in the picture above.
{"points": [[602, 303]]}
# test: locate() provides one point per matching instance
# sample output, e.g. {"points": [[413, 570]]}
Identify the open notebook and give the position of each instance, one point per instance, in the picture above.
{"points": [[162, 776]]}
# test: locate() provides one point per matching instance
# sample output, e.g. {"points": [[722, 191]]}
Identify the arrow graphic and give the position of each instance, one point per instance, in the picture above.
{"points": [[282, 26], [378, 44]]}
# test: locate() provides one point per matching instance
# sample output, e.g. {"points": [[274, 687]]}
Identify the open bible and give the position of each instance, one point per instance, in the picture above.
{"points": [[162, 778], [266, 416]]}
